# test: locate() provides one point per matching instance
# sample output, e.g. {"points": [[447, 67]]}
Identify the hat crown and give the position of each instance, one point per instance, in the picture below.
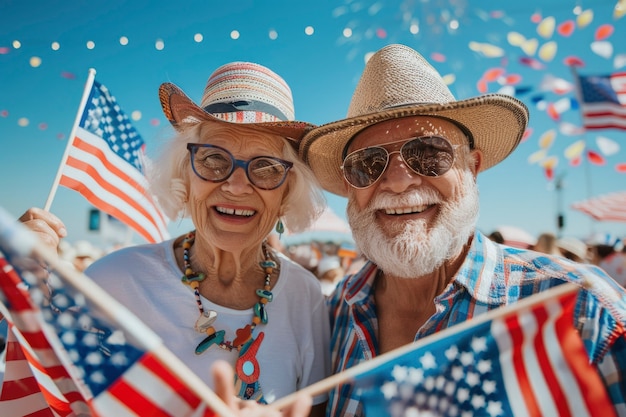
{"points": [[246, 86], [397, 76]]}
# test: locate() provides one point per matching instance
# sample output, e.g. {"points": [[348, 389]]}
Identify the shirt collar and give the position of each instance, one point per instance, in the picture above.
{"points": [[479, 274]]}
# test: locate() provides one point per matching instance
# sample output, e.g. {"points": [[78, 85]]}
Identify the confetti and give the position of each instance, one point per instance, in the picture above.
{"points": [[603, 32], [547, 138], [545, 28], [493, 74], [575, 162], [573, 61], [583, 19], [566, 28], [575, 150], [595, 158], [537, 156], [547, 51], [608, 147], [602, 48], [530, 46], [532, 63]]}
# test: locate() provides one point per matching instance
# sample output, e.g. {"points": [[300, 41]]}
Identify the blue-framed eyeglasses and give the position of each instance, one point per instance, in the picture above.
{"points": [[215, 164]]}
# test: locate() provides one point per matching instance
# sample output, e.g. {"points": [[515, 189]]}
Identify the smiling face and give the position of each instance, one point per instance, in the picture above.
{"points": [[409, 224], [233, 215]]}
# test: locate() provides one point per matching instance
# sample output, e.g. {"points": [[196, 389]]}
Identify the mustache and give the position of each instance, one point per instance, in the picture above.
{"points": [[424, 196]]}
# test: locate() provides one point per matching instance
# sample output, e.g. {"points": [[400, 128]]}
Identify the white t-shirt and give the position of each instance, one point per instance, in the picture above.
{"points": [[294, 352]]}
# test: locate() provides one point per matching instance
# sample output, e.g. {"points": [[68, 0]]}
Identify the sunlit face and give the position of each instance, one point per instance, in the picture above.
{"points": [[410, 224], [234, 214]]}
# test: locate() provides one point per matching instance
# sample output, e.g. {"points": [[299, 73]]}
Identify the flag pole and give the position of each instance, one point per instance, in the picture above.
{"points": [[21, 240], [83, 102], [352, 373], [579, 97]]}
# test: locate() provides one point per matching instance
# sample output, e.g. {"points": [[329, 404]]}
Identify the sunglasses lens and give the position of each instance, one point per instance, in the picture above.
{"points": [[362, 168], [430, 156], [212, 164], [266, 173]]}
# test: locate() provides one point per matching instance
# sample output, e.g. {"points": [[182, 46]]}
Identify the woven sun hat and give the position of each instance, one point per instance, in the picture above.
{"points": [[398, 82], [238, 92], [574, 246]]}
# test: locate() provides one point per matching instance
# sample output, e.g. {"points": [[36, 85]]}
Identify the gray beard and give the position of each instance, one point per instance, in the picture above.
{"points": [[416, 250]]}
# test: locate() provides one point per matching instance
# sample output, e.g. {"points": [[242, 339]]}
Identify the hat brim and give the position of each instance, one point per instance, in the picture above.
{"points": [[181, 111], [497, 123]]}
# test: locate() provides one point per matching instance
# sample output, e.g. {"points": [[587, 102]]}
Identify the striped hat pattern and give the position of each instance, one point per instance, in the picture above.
{"points": [[237, 92]]}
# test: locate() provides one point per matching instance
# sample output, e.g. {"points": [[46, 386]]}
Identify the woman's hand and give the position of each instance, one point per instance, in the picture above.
{"points": [[48, 227], [224, 376]]}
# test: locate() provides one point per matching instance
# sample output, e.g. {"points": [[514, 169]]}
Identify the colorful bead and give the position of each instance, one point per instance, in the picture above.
{"points": [[260, 312], [216, 338], [265, 294], [206, 319]]}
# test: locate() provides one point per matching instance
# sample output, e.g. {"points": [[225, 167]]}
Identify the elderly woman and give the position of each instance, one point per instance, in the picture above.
{"points": [[220, 292]]}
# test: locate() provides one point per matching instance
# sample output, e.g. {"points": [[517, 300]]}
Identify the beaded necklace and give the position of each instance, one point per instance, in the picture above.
{"points": [[204, 324]]}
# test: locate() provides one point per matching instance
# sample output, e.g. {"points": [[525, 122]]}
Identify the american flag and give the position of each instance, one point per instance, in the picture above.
{"points": [[603, 101], [105, 164], [65, 359], [526, 363]]}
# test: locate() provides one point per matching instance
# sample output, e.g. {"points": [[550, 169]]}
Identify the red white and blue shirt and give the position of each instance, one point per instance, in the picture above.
{"points": [[491, 276]]}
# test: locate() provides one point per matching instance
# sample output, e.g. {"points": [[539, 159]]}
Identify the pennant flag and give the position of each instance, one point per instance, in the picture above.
{"points": [[603, 101], [105, 163], [528, 362], [67, 356]]}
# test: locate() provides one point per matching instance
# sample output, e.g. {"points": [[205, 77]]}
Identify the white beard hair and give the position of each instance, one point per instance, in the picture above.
{"points": [[415, 251]]}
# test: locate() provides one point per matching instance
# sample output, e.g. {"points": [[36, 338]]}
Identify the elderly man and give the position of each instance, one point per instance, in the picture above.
{"points": [[407, 158]]}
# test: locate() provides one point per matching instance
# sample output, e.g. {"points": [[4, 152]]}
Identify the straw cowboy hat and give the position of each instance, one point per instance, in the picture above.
{"points": [[238, 92], [399, 82]]}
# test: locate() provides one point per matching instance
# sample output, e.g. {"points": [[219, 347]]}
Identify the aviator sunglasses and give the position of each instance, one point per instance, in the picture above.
{"points": [[215, 164], [429, 156]]}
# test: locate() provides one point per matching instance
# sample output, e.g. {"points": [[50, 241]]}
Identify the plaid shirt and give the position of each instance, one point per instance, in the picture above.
{"points": [[491, 276]]}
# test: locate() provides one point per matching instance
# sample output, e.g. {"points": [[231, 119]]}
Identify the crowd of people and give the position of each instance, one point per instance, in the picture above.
{"points": [[408, 158]]}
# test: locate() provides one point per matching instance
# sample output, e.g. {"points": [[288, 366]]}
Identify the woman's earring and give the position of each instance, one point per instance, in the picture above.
{"points": [[280, 228]]}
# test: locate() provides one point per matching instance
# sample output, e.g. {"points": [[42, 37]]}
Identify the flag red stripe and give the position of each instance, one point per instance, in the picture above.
{"points": [[79, 143], [517, 342], [18, 388], [10, 288], [103, 205], [95, 174], [156, 367], [135, 400], [595, 395], [547, 368], [112, 170]]}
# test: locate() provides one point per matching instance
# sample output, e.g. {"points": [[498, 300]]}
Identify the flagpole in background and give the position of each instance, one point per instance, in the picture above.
{"points": [[91, 76], [18, 238], [579, 97], [585, 161]]}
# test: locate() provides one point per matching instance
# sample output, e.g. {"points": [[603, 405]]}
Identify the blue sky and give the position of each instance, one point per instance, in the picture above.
{"points": [[320, 49]]}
